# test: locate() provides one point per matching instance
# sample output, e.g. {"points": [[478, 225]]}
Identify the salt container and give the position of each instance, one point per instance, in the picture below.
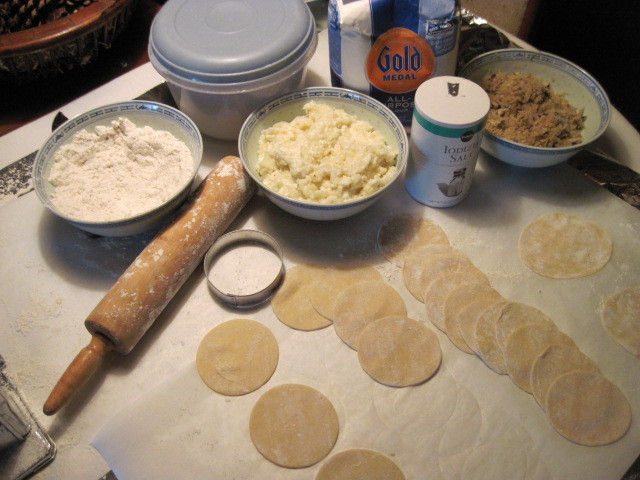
{"points": [[446, 133]]}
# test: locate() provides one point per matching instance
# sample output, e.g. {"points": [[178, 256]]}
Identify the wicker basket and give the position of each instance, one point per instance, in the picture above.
{"points": [[59, 46]]}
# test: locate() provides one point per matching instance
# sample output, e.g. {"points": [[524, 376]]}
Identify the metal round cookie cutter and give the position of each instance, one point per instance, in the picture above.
{"points": [[224, 245]]}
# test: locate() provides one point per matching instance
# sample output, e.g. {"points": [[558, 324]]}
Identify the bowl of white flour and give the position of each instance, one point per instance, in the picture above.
{"points": [[120, 169], [324, 153]]}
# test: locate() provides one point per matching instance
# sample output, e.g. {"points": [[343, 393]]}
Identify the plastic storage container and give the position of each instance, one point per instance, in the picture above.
{"points": [[223, 59]]}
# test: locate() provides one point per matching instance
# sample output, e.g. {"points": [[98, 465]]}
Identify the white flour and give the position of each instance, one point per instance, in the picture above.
{"points": [[118, 172]]}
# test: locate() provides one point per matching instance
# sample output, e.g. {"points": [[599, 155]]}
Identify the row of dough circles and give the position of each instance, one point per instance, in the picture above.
{"points": [[520, 340], [296, 426]]}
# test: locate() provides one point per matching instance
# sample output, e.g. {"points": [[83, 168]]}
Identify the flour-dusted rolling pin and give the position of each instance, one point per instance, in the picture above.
{"points": [[146, 287]]}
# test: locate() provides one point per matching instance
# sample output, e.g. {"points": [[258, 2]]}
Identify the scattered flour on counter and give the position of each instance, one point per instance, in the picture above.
{"points": [[41, 307], [118, 172]]}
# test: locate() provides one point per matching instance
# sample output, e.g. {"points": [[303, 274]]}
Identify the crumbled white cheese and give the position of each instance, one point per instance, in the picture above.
{"points": [[326, 156]]}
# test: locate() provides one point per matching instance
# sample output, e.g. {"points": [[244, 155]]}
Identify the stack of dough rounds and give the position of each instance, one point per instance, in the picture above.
{"points": [[485, 336], [558, 245], [520, 340], [294, 426], [332, 281], [556, 360], [237, 357], [467, 319], [523, 347], [516, 315], [621, 318], [399, 351], [438, 289], [359, 464], [457, 313], [428, 262], [400, 235], [292, 302], [363, 303]]}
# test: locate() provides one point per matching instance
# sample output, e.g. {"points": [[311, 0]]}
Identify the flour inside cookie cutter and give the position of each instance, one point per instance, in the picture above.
{"points": [[244, 268]]}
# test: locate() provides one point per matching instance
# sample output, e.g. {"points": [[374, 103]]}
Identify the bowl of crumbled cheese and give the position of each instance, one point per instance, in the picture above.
{"points": [[323, 153], [120, 169], [544, 109]]}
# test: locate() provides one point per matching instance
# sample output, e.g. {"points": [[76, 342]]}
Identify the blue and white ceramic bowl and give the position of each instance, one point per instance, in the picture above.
{"points": [[286, 108], [566, 78], [142, 113]]}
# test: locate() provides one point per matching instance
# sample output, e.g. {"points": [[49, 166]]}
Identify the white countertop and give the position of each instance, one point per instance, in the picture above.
{"points": [[53, 275]]}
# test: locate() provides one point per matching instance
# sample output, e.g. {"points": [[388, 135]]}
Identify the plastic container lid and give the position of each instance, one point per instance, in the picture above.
{"points": [[223, 43], [452, 102]]}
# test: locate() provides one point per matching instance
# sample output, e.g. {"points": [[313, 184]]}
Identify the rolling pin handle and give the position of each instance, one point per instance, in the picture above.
{"points": [[81, 368]]}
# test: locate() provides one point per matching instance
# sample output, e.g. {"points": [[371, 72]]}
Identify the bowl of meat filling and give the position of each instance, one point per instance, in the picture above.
{"points": [[544, 109]]}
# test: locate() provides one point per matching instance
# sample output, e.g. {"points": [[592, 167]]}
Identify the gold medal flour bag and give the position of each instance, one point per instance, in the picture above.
{"points": [[388, 48]]}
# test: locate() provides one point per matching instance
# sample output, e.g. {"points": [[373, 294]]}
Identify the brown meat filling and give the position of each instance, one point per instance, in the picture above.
{"points": [[526, 110]]}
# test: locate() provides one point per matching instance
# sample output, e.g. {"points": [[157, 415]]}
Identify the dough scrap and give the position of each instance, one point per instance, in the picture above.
{"points": [[524, 346], [362, 303], [428, 262], [588, 409], [556, 360], [399, 351], [359, 464], [293, 426], [333, 280], [399, 236], [439, 288], [559, 245], [292, 304], [459, 298], [237, 357], [488, 349], [515, 315], [621, 318]]}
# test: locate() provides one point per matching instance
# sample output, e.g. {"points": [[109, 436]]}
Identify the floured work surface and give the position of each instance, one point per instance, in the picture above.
{"points": [[466, 421]]}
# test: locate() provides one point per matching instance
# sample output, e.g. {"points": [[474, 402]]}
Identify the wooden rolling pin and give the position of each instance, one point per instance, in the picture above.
{"points": [[146, 287]]}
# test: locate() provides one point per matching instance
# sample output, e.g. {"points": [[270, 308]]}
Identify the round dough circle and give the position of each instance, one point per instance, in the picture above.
{"points": [[621, 318], [488, 349], [515, 315], [399, 351], [359, 464], [439, 288], [429, 261], [523, 348], [588, 409], [400, 235], [468, 318], [556, 360], [293, 426], [458, 299], [237, 357], [558, 245], [292, 303], [333, 280], [362, 303]]}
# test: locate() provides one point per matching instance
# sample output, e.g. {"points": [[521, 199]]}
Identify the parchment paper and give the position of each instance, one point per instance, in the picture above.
{"points": [[467, 422]]}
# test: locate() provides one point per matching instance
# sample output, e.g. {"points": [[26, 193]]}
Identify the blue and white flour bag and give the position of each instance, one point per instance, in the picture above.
{"points": [[388, 48]]}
